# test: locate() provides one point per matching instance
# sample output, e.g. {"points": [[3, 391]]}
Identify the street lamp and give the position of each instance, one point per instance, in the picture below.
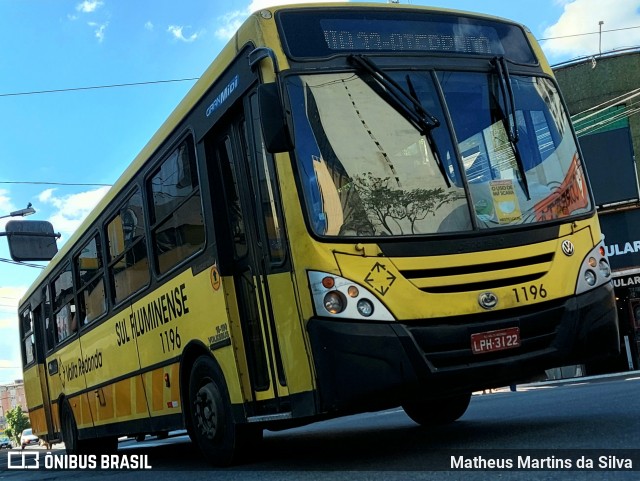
{"points": [[29, 210]]}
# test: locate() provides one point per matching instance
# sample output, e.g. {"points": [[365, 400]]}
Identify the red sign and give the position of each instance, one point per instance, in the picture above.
{"points": [[569, 197]]}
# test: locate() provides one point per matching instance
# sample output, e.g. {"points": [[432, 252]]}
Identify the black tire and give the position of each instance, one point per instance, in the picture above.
{"points": [[219, 438], [69, 429], [73, 445], [436, 412]]}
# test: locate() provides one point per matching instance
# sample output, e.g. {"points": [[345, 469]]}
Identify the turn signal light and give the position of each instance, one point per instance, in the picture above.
{"points": [[328, 282]]}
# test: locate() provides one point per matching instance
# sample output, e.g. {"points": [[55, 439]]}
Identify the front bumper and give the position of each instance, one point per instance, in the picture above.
{"points": [[366, 366]]}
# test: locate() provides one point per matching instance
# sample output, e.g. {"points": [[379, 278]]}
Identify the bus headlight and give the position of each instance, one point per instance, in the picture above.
{"points": [[605, 269], [334, 302], [335, 296], [594, 271], [365, 307]]}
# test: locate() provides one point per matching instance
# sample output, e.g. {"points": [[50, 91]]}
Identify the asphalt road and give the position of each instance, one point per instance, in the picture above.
{"points": [[548, 428]]}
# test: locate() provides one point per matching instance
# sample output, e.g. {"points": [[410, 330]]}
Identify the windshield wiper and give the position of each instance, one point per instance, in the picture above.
{"points": [[509, 118], [405, 103]]}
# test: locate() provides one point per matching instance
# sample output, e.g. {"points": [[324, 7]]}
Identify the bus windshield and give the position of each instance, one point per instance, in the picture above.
{"points": [[492, 160]]}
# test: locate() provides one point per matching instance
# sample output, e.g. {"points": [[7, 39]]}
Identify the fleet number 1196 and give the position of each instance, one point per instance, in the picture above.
{"points": [[529, 293]]}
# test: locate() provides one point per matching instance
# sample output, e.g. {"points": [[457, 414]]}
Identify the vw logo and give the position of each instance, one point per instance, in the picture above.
{"points": [[567, 248], [488, 300]]}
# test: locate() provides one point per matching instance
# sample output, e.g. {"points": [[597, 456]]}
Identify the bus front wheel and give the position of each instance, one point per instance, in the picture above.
{"points": [[434, 412], [69, 428], [213, 429]]}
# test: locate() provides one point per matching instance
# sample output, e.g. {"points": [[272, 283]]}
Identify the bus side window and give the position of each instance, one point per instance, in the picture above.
{"points": [[90, 281], [227, 162], [28, 339], [64, 308], [49, 329], [177, 225], [128, 261]]}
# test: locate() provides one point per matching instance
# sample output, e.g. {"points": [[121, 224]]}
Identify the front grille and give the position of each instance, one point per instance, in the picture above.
{"points": [[474, 276], [446, 343]]}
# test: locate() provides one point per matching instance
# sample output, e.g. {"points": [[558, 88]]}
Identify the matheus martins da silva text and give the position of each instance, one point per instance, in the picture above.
{"points": [[547, 462]]}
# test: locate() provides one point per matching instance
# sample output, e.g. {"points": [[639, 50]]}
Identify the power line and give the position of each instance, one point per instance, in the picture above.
{"points": [[588, 33], [96, 87], [191, 79]]}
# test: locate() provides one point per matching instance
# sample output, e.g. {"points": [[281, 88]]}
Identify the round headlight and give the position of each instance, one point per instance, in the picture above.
{"points": [[365, 307], [605, 269], [334, 302], [590, 277]]}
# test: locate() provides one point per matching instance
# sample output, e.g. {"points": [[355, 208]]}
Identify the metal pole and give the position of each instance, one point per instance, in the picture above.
{"points": [[600, 37]]}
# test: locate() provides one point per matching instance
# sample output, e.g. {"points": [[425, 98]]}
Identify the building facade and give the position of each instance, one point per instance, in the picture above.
{"points": [[11, 395], [603, 97]]}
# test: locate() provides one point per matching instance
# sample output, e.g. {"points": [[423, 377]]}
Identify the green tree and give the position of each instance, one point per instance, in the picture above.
{"points": [[17, 421]]}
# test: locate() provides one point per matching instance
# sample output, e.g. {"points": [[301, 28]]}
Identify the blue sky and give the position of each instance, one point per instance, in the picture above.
{"points": [[89, 136]]}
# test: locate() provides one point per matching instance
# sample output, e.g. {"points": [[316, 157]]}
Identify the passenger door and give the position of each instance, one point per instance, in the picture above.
{"points": [[247, 237], [41, 318]]}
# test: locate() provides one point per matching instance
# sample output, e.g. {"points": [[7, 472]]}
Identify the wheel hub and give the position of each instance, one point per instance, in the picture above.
{"points": [[206, 411]]}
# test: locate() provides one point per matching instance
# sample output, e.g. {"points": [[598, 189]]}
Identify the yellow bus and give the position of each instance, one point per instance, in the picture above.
{"points": [[356, 207]]}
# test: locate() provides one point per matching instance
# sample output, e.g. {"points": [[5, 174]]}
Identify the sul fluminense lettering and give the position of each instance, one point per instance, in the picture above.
{"points": [[158, 312]]}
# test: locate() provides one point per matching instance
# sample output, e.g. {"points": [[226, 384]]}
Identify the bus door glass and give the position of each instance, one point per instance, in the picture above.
{"points": [[241, 245], [40, 318]]}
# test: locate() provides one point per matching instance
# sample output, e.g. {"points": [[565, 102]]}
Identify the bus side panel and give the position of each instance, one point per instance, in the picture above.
{"points": [[291, 334], [162, 388], [33, 393], [187, 308], [81, 412], [110, 363], [68, 380], [123, 400], [38, 421]]}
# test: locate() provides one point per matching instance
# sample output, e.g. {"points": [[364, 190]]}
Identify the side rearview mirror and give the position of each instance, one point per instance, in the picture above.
{"points": [[31, 240], [272, 119]]}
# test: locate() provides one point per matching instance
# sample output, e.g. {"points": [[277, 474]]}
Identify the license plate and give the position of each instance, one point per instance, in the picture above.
{"points": [[498, 340]]}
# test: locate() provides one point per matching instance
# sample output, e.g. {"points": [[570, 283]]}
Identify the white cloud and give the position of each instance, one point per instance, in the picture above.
{"points": [[148, 26], [6, 205], [178, 32], [89, 6], [99, 29], [583, 16], [231, 21], [45, 195], [70, 209]]}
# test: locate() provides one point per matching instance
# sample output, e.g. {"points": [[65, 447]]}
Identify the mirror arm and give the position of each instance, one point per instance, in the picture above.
{"points": [[55, 235]]}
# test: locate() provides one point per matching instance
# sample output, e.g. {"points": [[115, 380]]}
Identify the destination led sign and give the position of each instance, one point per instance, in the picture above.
{"points": [[324, 33]]}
